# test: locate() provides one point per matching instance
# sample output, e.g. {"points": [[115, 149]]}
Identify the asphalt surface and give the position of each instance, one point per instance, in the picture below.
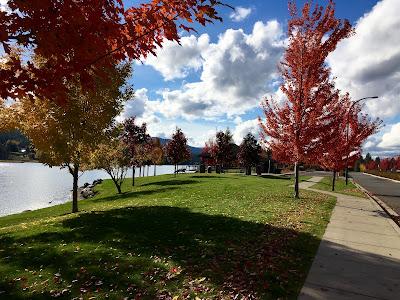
{"points": [[386, 190]]}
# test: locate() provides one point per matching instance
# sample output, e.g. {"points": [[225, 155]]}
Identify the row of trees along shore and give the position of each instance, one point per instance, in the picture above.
{"points": [[81, 136], [68, 80], [67, 74]]}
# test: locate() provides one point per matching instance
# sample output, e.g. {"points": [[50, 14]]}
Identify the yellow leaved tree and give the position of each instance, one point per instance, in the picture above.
{"points": [[66, 135], [112, 156]]}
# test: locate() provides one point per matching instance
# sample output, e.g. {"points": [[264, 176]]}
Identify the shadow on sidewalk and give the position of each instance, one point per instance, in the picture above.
{"points": [[340, 270]]}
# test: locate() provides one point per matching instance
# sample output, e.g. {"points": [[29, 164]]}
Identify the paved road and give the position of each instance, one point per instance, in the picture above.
{"points": [[386, 190]]}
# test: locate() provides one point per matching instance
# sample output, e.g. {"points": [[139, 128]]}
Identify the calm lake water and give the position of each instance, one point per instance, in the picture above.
{"points": [[29, 186]]}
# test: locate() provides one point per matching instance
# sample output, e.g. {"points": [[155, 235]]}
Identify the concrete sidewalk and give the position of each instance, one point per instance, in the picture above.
{"points": [[359, 255]]}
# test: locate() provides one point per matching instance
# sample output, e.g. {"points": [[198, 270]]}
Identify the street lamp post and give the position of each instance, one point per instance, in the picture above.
{"points": [[347, 133]]}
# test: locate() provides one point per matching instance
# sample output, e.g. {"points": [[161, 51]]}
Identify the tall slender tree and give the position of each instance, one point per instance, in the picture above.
{"points": [[177, 150], [136, 138], [157, 153], [209, 153], [346, 137], [294, 130], [224, 147]]}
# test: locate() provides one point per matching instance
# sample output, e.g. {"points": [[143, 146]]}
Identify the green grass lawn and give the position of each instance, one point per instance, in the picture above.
{"points": [[209, 236], [340, 187]]}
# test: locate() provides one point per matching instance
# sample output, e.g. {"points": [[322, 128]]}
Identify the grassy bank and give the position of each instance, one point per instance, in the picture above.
{"points": [[340, 187], [212, 236]]}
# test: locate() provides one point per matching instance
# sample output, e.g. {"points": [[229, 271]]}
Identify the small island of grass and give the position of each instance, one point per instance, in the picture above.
{"points": [[340, 187]]}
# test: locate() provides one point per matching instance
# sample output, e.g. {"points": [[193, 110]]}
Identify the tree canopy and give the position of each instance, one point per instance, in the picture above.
{"points": [[176, 149], [138, 143], [249, 151], [81, 38], [296, 129], [66, 135]]}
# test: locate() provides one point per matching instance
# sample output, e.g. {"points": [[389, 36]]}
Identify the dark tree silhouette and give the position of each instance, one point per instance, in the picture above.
{"points": [[177, 150], [249, 152]]}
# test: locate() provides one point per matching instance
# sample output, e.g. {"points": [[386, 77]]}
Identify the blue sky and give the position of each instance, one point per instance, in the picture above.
{"points": [[219, 75]]}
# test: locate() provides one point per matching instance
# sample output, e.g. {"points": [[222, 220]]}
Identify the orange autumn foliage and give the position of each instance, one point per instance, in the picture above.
{"points": [[347, 135], [84, 37], [294, 130]]}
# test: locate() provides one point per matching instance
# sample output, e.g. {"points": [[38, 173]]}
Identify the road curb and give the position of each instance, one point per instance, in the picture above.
{"points": [[381, 177], [391, 213]]}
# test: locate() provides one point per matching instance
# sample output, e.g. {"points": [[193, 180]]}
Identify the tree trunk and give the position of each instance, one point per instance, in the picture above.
{"points": [[296, 180], [248, 170], [176, 170], [75, 174], [155, 170], [118, 188], [140, 171], [333, 181], [148, 167], [133, 176], [117, 185]]}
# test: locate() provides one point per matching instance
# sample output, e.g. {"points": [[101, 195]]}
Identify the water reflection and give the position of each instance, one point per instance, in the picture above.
{"points": [[29, 186]]}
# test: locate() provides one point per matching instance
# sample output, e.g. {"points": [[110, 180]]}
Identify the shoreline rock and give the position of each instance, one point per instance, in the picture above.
{"points": [[87, 190]]}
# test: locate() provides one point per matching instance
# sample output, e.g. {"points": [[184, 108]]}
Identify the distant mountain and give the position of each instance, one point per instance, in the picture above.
{"points": [[194, 150], [14, 142], [14, 145]]}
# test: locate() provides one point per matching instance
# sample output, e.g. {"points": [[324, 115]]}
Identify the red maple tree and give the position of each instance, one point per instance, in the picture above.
{"points": [[209, 153], [385, 164], [397, 163], [346, 137], [294, 130], [82, 38], [371, 165], [224, 149]]}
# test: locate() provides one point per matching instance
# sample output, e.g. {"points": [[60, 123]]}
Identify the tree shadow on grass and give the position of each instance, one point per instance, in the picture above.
{"points": [[128, 252], [171, 182], [213, 176], [280, 177], [132, 194]]}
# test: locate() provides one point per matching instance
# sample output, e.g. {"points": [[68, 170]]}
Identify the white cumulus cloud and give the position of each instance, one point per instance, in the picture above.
{"points": [[176, 61], [368, 63], [4, 5], [243, 128], [240, 13], [140, 107], [236, 73], [391, 140]]}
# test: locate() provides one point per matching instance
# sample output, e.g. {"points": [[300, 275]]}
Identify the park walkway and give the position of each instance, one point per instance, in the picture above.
{"points": [[359, 255]]}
